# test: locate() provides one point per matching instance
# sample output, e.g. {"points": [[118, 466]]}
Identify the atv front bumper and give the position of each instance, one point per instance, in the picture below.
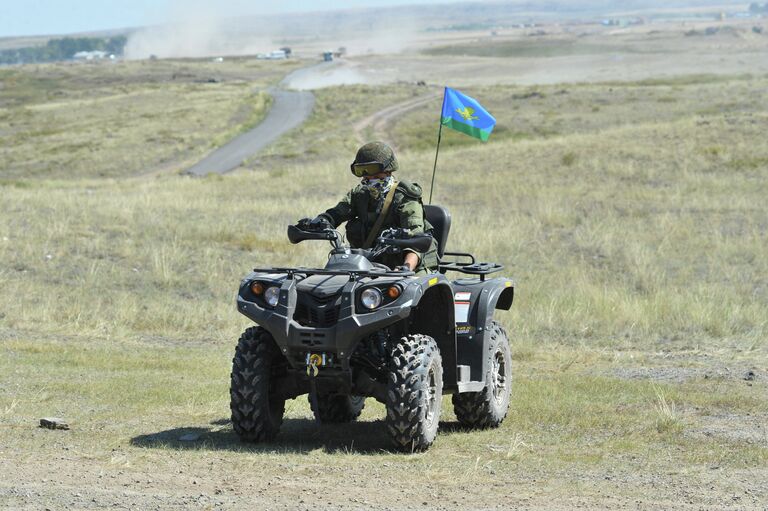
{"points": [[337, 342]]}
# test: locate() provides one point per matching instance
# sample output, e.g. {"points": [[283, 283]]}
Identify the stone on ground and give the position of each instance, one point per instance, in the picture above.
{"points": [[53, 423]]}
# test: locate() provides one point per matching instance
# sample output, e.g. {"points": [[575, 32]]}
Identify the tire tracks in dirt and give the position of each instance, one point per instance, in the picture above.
{"points": [[379, 123]]}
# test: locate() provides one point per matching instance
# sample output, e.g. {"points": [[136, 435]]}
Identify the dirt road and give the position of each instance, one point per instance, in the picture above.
{"points": [[289, 110], [292, 105]]}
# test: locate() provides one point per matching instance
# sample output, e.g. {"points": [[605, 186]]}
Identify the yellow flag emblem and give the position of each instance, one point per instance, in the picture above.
{"points": [[466, 113]]}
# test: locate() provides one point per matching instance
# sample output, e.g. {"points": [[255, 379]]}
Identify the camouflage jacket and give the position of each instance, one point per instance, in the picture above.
{"points": [[358, 209]]}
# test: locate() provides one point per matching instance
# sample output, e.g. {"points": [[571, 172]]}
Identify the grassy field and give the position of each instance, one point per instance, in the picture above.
{"points": [[533, 48], [575, 40], [125, 118], [631, 215]]}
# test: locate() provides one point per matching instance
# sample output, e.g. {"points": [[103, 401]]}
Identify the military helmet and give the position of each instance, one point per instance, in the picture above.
{"points": [[377, 152]]}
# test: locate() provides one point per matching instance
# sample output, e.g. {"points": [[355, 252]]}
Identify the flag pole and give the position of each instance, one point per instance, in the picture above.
{"points": [[437, 150]]}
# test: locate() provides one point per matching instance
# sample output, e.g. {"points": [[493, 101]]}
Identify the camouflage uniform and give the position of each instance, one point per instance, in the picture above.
{"points": [[360, 212]]}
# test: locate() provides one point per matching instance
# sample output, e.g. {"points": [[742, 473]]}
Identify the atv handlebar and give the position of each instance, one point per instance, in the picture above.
{"points": [[390, 240], [419, 243]]}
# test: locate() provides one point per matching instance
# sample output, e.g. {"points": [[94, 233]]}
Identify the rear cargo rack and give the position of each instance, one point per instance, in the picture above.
{"points": [[470, 267]]}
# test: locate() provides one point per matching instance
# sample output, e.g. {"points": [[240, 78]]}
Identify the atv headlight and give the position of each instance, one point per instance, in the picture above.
{"points": [[371, 298], [271, 295]]}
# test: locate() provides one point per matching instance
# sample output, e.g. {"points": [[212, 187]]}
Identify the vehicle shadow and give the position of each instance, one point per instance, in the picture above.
{"points": [[297, 436]]}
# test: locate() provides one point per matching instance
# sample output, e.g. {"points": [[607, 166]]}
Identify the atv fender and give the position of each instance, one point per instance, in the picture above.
{"points": [[433, 315], [476, 301]]}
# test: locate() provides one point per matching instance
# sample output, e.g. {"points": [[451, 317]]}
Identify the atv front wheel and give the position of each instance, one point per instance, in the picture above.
{"points": [[257, 413], [488, 408], [337, 408], [414, 393]]}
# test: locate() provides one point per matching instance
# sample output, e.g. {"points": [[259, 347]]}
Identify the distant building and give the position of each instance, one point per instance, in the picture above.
{"points": [[273, 55], [622, 22], [90, 55]]}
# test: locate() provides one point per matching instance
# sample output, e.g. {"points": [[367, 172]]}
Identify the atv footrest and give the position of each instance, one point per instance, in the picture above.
{"points": [[463, 374], [464, 381], [471, 386]]}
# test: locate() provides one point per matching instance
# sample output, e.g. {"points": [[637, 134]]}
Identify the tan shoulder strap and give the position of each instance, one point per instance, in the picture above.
{"points": [[384, 210]]}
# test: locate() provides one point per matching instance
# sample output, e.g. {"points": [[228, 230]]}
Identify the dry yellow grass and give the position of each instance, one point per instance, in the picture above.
{"points": [[656, 242], [127, 118]]}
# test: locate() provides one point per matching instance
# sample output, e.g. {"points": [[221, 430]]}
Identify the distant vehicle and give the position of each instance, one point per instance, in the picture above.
{"points": [[328, 56]]}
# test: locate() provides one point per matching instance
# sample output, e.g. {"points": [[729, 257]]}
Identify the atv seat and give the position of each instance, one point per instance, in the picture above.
{"points": [[440, 219]]}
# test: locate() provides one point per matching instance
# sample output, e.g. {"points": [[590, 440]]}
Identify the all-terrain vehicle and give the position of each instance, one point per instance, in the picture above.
{"points": [[356, 329]]}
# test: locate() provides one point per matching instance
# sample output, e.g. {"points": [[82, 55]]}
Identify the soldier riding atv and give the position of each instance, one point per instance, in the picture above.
{"points": [[358, 328]]}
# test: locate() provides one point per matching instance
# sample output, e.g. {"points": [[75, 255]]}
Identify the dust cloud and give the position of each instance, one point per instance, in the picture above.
{"points": [[199, 29], [318, 77]]}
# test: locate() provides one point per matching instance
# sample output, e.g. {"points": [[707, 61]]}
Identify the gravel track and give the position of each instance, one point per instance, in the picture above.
{"points": [[289, 110]]}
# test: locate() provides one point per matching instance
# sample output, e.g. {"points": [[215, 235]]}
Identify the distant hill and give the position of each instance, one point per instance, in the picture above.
{"points": [[65, 48], [31, 41]]}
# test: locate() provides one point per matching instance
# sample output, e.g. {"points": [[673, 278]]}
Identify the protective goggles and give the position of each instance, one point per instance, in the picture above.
{"points": [[370, 168]]}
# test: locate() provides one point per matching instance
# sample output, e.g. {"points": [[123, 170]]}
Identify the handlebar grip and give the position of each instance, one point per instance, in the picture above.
{"points": [[296, 234]]}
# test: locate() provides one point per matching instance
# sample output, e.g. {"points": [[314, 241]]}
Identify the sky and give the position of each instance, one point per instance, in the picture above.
{"points": [[53, 17]]}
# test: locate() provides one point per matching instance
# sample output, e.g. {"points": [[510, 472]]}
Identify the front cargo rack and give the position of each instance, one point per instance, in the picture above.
{"points": [[353, 274]]}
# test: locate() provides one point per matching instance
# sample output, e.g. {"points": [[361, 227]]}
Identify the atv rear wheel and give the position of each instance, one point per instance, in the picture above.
{"points": [[337, 408], [256, 413], [488, 408], [414, 394]]}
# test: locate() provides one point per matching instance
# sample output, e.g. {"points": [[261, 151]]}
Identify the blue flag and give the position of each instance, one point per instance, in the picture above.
{"points": [[466, 115]]}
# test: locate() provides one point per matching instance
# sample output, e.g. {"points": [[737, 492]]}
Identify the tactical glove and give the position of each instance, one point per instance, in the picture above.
{"points": [[320, 222]]}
